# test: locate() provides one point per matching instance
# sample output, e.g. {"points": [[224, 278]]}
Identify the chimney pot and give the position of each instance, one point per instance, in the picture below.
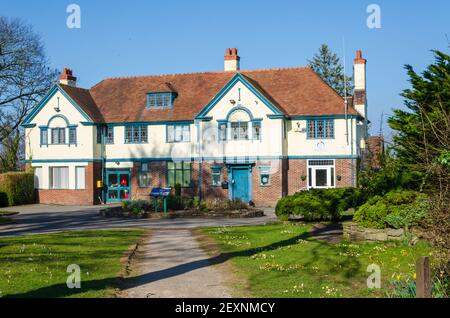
{"points": [[67, 77], [231, 60]]}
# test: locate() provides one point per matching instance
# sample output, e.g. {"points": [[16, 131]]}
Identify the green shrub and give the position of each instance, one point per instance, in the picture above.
{"points": [[3, 199], [318, 205], [397, 209], [18, 187], [221, 204], [140, 205]]}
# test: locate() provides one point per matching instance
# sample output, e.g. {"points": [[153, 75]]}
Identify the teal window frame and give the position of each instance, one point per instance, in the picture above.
{"points": [[241, 133], [174, 127], [160, 100], [42, 139], [72, 135], [59, 141], [180, 170], [216, 172], [258, 123], [136, 132], [145, 172], [313, 130], [109, 138]]}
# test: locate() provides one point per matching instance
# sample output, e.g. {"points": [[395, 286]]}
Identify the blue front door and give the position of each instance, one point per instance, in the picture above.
{"points": [[241, 184]]}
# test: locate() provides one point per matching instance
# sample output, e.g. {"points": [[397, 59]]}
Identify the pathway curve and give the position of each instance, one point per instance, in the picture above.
{"points": [[171, 264]]}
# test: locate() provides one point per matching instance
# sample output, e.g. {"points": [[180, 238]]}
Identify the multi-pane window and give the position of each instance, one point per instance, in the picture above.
{"points": [[59, 177], [72, 136], [160, 99], [178, 133], [216, 176], [44, 136], [239, 130], [136, 134], [80, 178], [222, 131], [58, 136], [320, 128], [256, 127], [179, 173], [264, 179], [109, 135], [144, 175]]}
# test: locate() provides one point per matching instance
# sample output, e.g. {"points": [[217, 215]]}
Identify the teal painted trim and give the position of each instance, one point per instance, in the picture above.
{"points": [[90, 124], [229, 160], [209, 118], [239, 107], [277, 116], [150, 123], [61, 160], [353, 161], [58, 116], [47, 97], [28, 125], [237, 78], [323, 117]]}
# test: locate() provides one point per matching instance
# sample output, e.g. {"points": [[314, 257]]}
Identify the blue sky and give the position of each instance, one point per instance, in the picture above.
{"points": [[124, 38]]}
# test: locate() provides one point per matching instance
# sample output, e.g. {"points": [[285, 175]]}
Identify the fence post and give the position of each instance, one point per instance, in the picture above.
{"points": [[423, 278]]}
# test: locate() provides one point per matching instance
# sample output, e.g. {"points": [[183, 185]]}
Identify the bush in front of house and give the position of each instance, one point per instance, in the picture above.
{"points": [[397, 209], [318, 204], [17, 188]]}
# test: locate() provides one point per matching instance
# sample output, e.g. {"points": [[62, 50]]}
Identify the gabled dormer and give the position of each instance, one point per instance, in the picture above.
{"points": [[162, 97]]}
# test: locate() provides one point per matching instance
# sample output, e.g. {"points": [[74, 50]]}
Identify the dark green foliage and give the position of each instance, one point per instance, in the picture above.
{"points": [[18, 187], [137, 205], [318, 205], [178, 190], [397, 209], [3, 199], [329, 67]]}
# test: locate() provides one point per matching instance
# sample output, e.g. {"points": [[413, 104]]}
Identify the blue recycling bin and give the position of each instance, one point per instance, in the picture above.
{"points": [[160, 193]]}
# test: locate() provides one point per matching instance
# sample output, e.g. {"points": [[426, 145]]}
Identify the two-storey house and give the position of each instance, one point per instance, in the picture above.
{"points": [[254, 135]]}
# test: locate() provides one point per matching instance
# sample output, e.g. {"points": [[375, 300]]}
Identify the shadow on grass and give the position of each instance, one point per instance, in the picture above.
{"points": [[349, 266]]}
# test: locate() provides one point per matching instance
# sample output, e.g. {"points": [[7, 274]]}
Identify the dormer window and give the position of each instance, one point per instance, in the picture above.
{"points": [[161, 96], [160, 100]]}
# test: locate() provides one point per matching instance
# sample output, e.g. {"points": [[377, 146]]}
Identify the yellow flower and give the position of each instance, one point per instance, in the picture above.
{"points": [[415, 276]]}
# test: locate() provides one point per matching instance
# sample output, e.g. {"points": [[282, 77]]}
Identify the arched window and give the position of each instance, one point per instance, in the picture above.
{"points": [[59, 132], [240, 125]]}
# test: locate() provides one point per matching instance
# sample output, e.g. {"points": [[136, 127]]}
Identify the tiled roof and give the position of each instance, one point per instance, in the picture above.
{"points": [[295, 91], [83, 99]]}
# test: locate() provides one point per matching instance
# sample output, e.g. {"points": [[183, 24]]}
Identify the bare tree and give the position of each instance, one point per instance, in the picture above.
{"points": [[24, 79]]}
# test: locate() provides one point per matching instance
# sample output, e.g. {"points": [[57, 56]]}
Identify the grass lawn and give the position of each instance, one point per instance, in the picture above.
{"points": [[36, 265], [280, 260]]}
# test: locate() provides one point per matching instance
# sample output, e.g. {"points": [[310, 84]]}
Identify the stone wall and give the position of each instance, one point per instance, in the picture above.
{"points": [[354, 232]]}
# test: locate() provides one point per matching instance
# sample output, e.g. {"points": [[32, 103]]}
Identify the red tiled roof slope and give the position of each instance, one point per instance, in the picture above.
{"points": [[295, 91], [82, 97]]}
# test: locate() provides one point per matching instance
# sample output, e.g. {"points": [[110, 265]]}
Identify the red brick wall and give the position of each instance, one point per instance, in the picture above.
{"points": [[344, 170], [87, 196], [296, 168], [267, 196], [157, 179]]}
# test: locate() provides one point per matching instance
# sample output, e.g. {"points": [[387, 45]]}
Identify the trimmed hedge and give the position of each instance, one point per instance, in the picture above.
{"points": [[396, 209], [318, 204], [17, 188]]}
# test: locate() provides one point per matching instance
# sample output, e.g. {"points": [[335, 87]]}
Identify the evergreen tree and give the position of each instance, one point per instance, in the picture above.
{"points": [[329, 67]]}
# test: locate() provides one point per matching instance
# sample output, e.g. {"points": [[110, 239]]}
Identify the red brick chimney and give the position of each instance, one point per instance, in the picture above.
{"points": [[231, 60], [67, 78]]}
